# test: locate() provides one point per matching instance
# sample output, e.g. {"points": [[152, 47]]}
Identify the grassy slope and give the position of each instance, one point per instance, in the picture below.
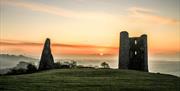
{"points": [[90, 80]]}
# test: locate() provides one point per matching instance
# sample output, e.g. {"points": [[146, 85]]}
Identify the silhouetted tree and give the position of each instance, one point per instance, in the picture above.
{"points": [[105, 65], [73, 64]]}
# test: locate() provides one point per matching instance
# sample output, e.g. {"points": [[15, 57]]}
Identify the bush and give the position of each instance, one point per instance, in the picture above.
{"points": [[26, 68], [31, 68], [65, 65], [16, 71], [73, 64], [57, 65]]}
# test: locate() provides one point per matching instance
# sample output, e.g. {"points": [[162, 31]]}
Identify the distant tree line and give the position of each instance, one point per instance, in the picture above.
{"points": [[27, 68], [65, 65], [23, 68]]}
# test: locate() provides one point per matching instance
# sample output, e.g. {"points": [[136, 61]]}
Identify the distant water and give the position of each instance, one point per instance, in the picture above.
{"points": [[166, 67]]}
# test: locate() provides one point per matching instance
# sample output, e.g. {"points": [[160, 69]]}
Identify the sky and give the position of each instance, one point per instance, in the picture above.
{"points": [[89, 27]]}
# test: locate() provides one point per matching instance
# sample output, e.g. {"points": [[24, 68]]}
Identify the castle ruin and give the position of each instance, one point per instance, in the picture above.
{"points": [[133, 52], [47, 61]]}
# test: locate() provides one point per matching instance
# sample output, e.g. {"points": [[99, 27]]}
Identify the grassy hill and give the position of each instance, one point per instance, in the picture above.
{"points": [[90, 80]]}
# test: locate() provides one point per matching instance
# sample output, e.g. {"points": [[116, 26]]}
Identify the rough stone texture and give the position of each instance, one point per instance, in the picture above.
{"points": [[47, 61], [124, 51], [133, 52], [145, 56]]}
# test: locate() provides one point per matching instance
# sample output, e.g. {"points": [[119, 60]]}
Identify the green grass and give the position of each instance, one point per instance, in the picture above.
{"points": [[90, 80]]}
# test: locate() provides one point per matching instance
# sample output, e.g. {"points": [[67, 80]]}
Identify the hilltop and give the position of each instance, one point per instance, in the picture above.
{"points": [[90, 80]]}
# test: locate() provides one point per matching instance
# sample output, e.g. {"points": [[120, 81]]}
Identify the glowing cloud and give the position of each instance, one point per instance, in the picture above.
{"points": [[54, 10], [150, 16]]}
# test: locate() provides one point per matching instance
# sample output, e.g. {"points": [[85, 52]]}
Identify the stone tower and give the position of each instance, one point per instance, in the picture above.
{"points": [[133, 52], [47, 61]]}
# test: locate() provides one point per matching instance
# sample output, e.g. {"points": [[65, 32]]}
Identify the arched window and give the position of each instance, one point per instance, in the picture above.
{"points": [[135, 53], [135, 42]]}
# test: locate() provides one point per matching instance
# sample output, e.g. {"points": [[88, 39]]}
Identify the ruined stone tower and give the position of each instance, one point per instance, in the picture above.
{"points": [[133, 52], [47, 61]]}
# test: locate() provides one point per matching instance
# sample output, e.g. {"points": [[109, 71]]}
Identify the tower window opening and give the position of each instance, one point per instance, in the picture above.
{"points": [[135, 52], [135, 42]]}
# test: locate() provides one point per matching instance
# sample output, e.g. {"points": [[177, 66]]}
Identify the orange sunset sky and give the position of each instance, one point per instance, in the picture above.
{"points": [[88, 27]]}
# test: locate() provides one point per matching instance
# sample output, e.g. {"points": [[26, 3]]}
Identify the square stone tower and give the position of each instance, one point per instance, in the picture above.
{"points": [[133, 52]]}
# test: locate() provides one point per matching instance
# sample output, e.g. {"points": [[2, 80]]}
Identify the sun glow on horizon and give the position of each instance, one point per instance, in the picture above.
{"points": [[101, 54]]}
